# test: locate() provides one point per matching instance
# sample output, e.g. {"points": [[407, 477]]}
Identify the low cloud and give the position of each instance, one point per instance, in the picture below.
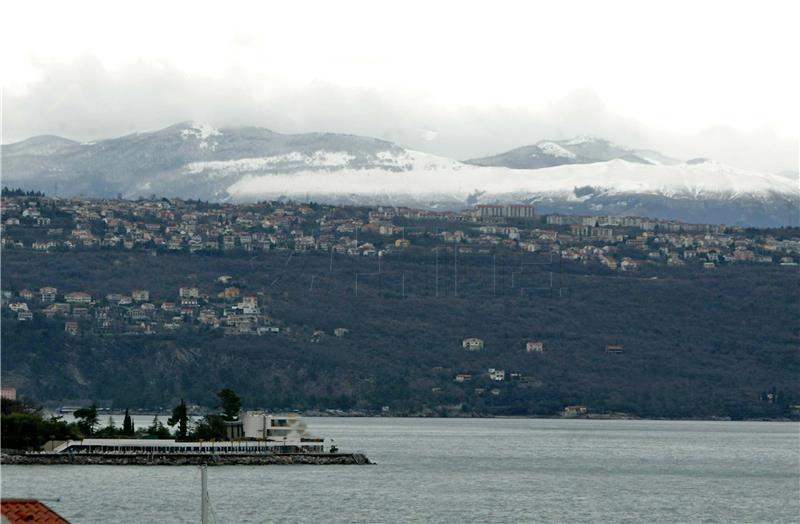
{"points": [[84, 100]]}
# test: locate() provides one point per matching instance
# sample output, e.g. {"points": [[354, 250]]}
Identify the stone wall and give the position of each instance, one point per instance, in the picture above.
{"points": [[195, 459]]}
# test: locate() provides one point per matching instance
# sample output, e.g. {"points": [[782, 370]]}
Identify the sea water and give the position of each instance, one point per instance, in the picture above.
{"points": [[464, 470]]}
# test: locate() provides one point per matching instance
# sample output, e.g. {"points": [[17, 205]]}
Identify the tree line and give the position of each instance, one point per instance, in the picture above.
{"points": [[9, 192], [26, 426]]}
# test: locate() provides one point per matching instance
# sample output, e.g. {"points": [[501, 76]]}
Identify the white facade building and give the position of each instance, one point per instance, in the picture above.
{"points": [[498, 375], [260, 425], [472, 344]]}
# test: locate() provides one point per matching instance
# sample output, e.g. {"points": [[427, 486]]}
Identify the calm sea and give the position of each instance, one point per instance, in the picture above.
{"points": [[464, 470]]}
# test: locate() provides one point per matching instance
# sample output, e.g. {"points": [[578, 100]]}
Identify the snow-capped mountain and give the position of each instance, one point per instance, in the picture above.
{"points": [[578, 150], [167, 162], [248, 164]]}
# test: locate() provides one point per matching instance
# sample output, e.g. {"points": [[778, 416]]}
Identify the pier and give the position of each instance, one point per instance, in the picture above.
{"points": [[167, 452], [185, 459]]}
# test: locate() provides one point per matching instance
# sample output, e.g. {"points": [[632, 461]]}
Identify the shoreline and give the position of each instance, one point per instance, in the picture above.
{"points": [[361, 414], [598, 416]]}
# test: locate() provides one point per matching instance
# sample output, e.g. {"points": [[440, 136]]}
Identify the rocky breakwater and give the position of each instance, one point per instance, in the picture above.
{"points": [[174, 459]]}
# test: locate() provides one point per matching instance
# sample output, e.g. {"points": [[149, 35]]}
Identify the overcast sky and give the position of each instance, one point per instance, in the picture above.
{"points": [[716, 79]]}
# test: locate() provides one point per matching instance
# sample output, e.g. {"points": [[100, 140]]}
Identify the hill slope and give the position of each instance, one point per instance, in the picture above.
{"points": [[690, 348]]}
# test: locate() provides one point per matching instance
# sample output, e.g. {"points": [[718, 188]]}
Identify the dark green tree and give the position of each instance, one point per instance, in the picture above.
{"points": [[23, 426], [231, 404], [157, 429], [127, 425], [211, 427], [87, 419], [180, 416], [110, 431]]}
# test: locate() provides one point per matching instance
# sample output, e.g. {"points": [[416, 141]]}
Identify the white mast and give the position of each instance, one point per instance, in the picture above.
{"points": [[203, 494]]}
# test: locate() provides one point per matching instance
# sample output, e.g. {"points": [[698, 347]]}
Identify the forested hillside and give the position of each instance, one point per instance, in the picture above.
{"points": [[696, 343]]}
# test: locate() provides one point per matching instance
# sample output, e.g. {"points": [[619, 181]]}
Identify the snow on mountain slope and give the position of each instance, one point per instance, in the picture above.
{"points": [[553, 149], [584, 175], [426, 174], [578, 150], [318, 159], [201, 132]]}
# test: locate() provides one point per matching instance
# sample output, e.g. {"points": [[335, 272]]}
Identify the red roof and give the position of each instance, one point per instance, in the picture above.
{"points": [[29, 510]]}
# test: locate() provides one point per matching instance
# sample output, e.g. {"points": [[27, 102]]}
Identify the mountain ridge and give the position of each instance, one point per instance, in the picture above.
{"points": [[196, 160], [582, 149]]}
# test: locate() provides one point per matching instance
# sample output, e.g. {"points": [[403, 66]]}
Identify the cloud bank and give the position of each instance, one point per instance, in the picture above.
{"points": [[84, 100]]}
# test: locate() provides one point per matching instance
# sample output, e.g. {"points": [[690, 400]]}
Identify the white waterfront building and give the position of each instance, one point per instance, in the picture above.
{"points": [[264, 426]]}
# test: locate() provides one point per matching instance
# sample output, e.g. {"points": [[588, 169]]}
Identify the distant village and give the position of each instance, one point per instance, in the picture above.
{"points": [[622, 243]]}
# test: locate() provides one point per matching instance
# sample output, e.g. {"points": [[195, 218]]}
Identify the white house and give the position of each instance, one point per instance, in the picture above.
{"points": [[534, 346], [78, 297], [263, 426], [48, 294], [472, 344], [498, 375], [189, 292]]}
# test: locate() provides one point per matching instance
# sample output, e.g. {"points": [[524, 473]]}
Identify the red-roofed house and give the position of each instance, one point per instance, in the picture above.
{"points": [[8, 392], [29, 510], [78, 297]]}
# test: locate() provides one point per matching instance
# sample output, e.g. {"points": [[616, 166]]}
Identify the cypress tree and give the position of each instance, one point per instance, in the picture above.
{"points": [[127, 424]]}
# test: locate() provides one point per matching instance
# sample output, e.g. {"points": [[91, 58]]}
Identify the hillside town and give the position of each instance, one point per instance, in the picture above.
{"points": [[136, 313], [53, 225], [620, 243]]}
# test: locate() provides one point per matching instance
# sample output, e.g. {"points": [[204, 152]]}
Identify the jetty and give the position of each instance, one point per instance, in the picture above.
{"points": [[163, 452], [176, 459], [256, 438]]}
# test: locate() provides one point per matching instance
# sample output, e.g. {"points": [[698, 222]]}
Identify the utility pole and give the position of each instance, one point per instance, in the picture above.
{"points": [[455, 268], [494, 275], [203, 494], [403, 285], [436, 273], [330, 269]]}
